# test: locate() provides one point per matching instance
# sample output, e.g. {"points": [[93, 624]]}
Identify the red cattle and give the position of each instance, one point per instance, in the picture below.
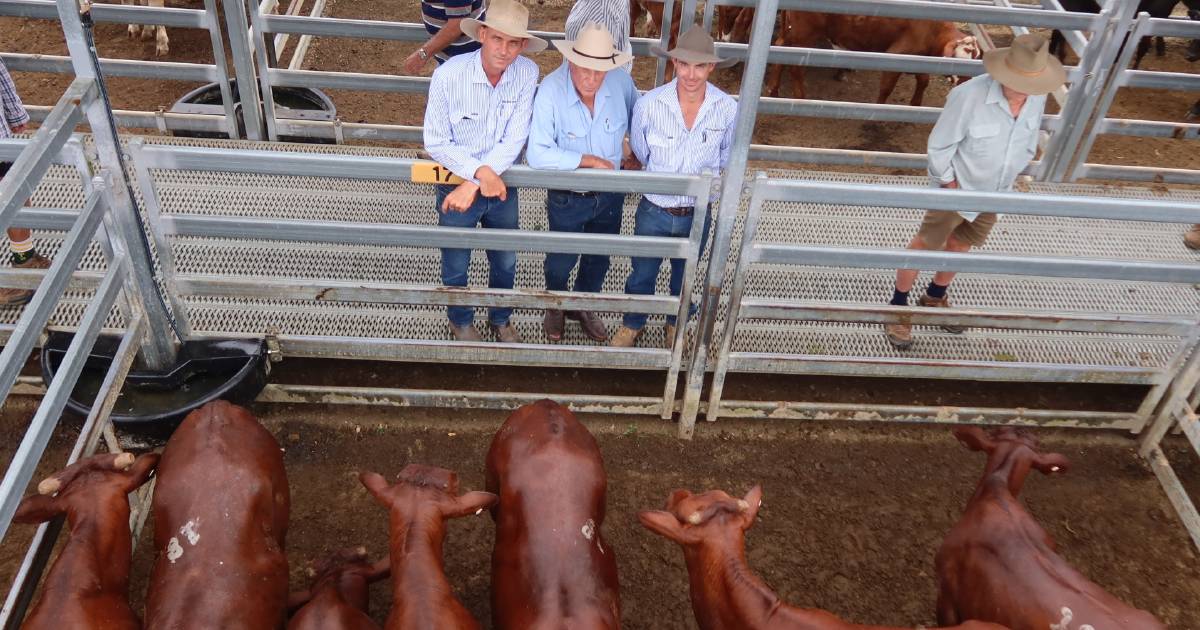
{"points": [[870, 34], [88, 584], [551, 568], [338, 597], [220, 519], [726, 594], [999, 564], [733, 24], [419, 504]]}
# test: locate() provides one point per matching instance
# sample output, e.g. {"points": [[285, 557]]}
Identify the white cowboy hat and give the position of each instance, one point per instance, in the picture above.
{"points": [[508, 17], [694, 46], [593, 49], [1027, 66]]}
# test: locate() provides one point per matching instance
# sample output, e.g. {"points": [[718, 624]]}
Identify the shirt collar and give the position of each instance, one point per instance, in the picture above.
{"points": [[479, 76], [995, 93]]}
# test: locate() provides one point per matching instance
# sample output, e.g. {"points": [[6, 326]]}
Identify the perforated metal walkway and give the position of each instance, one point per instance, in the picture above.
{"points": [[233, 194]]}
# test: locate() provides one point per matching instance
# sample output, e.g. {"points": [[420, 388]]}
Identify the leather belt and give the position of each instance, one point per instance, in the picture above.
{"points": [[577, 193], [682, 211]]}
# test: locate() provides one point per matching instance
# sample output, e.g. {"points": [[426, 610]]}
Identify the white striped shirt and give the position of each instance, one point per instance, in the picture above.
{"points": [[470, 124], [663, 144], [611, 14]]}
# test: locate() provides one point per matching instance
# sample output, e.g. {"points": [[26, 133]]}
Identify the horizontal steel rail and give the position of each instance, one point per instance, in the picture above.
{"points": [[169, 70], [454, 399], [940, 11], [1175, 27], [1140, 174], [1152, 79], [162, 120], [47, 10], [11, 148]]}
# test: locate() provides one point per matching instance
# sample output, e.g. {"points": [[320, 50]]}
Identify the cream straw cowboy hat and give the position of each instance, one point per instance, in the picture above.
{"points": [[508, 17], [593, 49], [694, 46], [1027, 66]]}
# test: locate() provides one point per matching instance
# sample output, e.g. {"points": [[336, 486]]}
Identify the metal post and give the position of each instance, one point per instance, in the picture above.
{"points": [[683, 315], [664, 39], [159, 351], [218, 47], [1174, 367], [243, 64], [687, 17], [710, 6], [731, 197], [260, 39]]}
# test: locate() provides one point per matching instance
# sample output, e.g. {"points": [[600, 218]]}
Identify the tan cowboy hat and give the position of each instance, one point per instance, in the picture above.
{"points": [[508, 17], [694, 46], [593, 49], [1027, 66]]}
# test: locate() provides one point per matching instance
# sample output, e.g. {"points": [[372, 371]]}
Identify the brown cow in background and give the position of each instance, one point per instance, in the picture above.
{"points": [[999, 564], [419, 504], [726, 593], [88, 584], [338, 598], [551, 568], [870, 34], [220, 520]]}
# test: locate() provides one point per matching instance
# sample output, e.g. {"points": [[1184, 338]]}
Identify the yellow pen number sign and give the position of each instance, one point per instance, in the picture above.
{"points": [[433, 173]]}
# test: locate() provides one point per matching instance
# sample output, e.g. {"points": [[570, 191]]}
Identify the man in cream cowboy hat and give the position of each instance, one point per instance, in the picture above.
{"points": [[685, 127], [986, 135], [476, 124], [580, 119]]}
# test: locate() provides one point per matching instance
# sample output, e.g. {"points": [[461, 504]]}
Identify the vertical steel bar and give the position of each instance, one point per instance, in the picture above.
{"points": [[243, 64], [687, 17], [262, 56], [1174, 397], [1071, 112], [683, 316], [731, 197], [664, 40], [1171, 371], [162, 244], [710, 6], [218, 48]]}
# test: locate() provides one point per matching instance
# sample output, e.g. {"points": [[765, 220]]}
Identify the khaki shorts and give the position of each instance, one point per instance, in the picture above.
{"points": [[938, 225]]}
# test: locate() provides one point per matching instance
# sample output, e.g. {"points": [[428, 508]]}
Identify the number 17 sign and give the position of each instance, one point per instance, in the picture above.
{"points": [[424, 172]]}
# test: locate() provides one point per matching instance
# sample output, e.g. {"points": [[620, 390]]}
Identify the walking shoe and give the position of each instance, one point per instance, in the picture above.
{"points": [[1191, 238], [592, 326], [553, 324], [669, 341], [625, 338], [506, 333], [899, 335], [465, 333], [15, 297], [942, 302]]}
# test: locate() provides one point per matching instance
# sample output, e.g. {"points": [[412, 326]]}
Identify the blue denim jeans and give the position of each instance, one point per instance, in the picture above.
{"points": [[598, 213], [489, 212], [654, 221]]}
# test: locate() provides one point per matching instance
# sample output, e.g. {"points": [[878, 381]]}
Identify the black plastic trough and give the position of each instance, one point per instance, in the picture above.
{"points": [[291, 103]]}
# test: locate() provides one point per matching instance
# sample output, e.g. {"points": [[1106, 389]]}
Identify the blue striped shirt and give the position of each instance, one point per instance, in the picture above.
{"points": [[663, 144], [613, 15], [564, 130], [470, 124], [436, 14], [14, 112]]}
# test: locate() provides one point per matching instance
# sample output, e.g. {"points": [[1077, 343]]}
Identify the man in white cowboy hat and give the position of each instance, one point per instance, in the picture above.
{"points": [[580, 119], [985, 136], [686, 127], [476, 124]]}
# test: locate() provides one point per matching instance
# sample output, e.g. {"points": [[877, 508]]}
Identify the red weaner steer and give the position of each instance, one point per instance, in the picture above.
{"points": [[338, 598], [419, 504], [88, 585], [726, 594], [551, 568], [220, 519], [998, 564]]}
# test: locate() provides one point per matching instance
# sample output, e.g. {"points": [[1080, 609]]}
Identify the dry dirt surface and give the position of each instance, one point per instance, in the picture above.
{"points": [[385, 57], [851, 520]]}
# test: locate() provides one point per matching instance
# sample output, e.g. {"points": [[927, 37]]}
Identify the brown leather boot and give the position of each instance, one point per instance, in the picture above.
{"points": [[942, 302], [625, 338], [592, 326], [507, 334], [15, 297], [465, 333], [899, 335], [1191, 238], [669, 336], [553, 324]]}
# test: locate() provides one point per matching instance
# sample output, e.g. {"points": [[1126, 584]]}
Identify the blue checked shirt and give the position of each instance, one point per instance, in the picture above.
{"points": [[14, 112], [663, 144], [564, 130], [978, 142], [470, 124]]}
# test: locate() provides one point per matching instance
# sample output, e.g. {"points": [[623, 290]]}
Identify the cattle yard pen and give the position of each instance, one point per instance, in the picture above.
{"points": [[168, 236]]}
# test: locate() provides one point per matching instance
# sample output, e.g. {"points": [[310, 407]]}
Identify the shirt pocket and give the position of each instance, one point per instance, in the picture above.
{"points": [[574, 137], [665, 150], [984, 140], [467, 125]]}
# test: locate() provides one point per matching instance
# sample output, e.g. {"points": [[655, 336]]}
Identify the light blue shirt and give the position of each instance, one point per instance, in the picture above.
{"points": [[978, 142], [564, 130], [663, 143], [470, 124]]}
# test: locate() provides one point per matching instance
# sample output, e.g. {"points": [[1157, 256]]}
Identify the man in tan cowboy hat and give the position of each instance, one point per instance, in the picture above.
{"points": [[686, 127], [986, 135], [580, 119], [476, 124]]}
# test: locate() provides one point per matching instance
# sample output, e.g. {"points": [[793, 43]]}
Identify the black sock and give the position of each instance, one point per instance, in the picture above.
{"points": [[899, 298], [936, 290], [20, 257]]}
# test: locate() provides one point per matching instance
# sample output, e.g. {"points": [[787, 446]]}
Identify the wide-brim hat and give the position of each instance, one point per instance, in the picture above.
{"points": [[593, 49], [694, 46], [508, 17], [1027, 66]]}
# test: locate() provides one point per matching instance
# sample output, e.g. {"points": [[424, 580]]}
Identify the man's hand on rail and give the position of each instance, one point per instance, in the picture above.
{"points": [[20, 128], [953, 184], [592, 161], [490, 184], [460, 198]]}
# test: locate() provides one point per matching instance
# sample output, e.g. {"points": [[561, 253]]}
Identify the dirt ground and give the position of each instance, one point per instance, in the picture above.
{"points": [[851, 520], [39, 36]]}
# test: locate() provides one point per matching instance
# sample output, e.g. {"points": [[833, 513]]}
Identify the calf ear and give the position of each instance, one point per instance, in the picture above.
{"points": [[675, 498], [376, 485], [753, 501], [38, 508], [1051, 463], [666, 525], [470, 503], [974, 438]]}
